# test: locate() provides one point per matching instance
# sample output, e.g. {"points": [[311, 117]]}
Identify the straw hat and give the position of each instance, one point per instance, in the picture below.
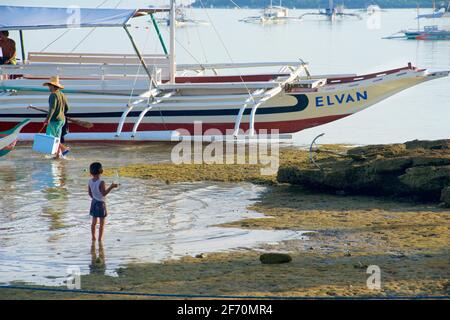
{"points": [[55, 82]]}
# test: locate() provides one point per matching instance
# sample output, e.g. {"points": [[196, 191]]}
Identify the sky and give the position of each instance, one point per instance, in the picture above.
{"points": [[91, 3]]}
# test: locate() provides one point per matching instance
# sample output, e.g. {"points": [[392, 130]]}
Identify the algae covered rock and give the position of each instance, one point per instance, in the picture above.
{"points": [[428, 180], [445, 196], [275, 258], [416, 169], [431, 145], [381, 150]]}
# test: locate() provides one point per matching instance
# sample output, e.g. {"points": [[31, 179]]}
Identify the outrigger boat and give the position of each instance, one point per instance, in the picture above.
{"points": [[150, 97], [332, 13], [271, 14], [428, 33], [431, 32], [8, 139], [442, 12], [181, 20]]}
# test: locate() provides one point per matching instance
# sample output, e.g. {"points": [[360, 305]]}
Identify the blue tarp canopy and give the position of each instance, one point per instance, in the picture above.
{"points": [[35, 18]]}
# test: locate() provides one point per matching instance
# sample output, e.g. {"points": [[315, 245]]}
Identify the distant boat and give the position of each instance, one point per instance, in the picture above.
{"points": [[442, 12], [181, 20], [271, 14], [332, 13], [8, 139], [428, 33]]}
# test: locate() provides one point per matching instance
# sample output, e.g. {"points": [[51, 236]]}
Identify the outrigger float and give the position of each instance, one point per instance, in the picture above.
{"points": [[150, 97]]}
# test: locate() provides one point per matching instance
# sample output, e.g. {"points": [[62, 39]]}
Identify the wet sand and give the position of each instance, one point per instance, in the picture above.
{"points": [[410, 242]]}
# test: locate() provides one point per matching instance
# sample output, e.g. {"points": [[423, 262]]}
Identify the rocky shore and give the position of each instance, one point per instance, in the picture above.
{"points": [[380, 208], [415, 170]]}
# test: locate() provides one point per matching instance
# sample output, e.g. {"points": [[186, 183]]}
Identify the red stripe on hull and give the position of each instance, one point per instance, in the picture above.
{"points": [[291, 126]]}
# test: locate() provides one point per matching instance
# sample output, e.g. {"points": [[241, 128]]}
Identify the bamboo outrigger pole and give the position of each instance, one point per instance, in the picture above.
{"points": [[161, 40], [141, 59], [22, 46], [173, 67]]}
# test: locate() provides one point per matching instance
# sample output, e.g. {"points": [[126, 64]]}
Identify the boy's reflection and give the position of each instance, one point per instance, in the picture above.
{"points": [[98, 263]]}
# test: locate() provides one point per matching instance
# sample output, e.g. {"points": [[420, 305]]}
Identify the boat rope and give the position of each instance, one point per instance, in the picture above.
{"points": [[67, 31], [82, 40], [137, 74], [189, 53], [201, 296], [200, 41], [92, 30], [227, 52]]}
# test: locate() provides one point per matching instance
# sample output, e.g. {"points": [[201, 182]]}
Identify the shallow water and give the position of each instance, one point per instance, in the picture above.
{"points": [[45, 225]]}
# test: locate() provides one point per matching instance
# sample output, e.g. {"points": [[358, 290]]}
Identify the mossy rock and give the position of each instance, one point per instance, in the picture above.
{"points": [[428, 181], [430, 161], [275, 258], [445, 196], [390, 165], [388, 150], [430, 145]]}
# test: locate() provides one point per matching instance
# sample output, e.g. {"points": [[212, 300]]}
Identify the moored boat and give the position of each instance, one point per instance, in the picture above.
{"points": [[150, 97], [428, 33], [332, 12], [443, 11], [271, 14]]}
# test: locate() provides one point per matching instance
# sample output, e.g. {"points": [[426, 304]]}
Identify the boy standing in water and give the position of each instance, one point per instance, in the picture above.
{"points": [[98, 192]]}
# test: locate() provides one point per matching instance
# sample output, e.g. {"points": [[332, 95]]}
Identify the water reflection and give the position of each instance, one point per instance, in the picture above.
{"points": [[45, 222], [53, 181], [98, 262], [8, 191]]}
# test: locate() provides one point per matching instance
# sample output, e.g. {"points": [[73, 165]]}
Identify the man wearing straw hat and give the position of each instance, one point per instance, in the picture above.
{"points": [[56, 117]]}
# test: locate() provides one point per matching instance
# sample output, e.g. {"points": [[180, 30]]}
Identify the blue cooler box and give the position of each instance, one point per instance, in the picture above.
{"points": [[45, 144]]}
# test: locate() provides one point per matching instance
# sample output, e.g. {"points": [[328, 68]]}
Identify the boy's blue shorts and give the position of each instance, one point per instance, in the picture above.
{"points": [[98, 209]]}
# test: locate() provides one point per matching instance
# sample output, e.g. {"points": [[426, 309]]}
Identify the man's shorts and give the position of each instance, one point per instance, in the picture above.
{"points": [[54, 128]]}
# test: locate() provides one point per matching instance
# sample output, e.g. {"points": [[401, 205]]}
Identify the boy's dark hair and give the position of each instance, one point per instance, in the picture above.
{"points": [[96, 168], [5, 33]]}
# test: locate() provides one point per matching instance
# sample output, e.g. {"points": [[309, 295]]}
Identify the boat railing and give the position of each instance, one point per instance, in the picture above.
{"points": [[337, 80], [95, 58], [89, 67], [88, 71]]}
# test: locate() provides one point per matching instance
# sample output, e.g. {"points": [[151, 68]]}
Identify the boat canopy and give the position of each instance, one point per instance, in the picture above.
{"points": [[35, 18]]}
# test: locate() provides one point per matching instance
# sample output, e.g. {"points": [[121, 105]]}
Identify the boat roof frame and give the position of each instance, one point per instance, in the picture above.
{"points": [[138, 12]]}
